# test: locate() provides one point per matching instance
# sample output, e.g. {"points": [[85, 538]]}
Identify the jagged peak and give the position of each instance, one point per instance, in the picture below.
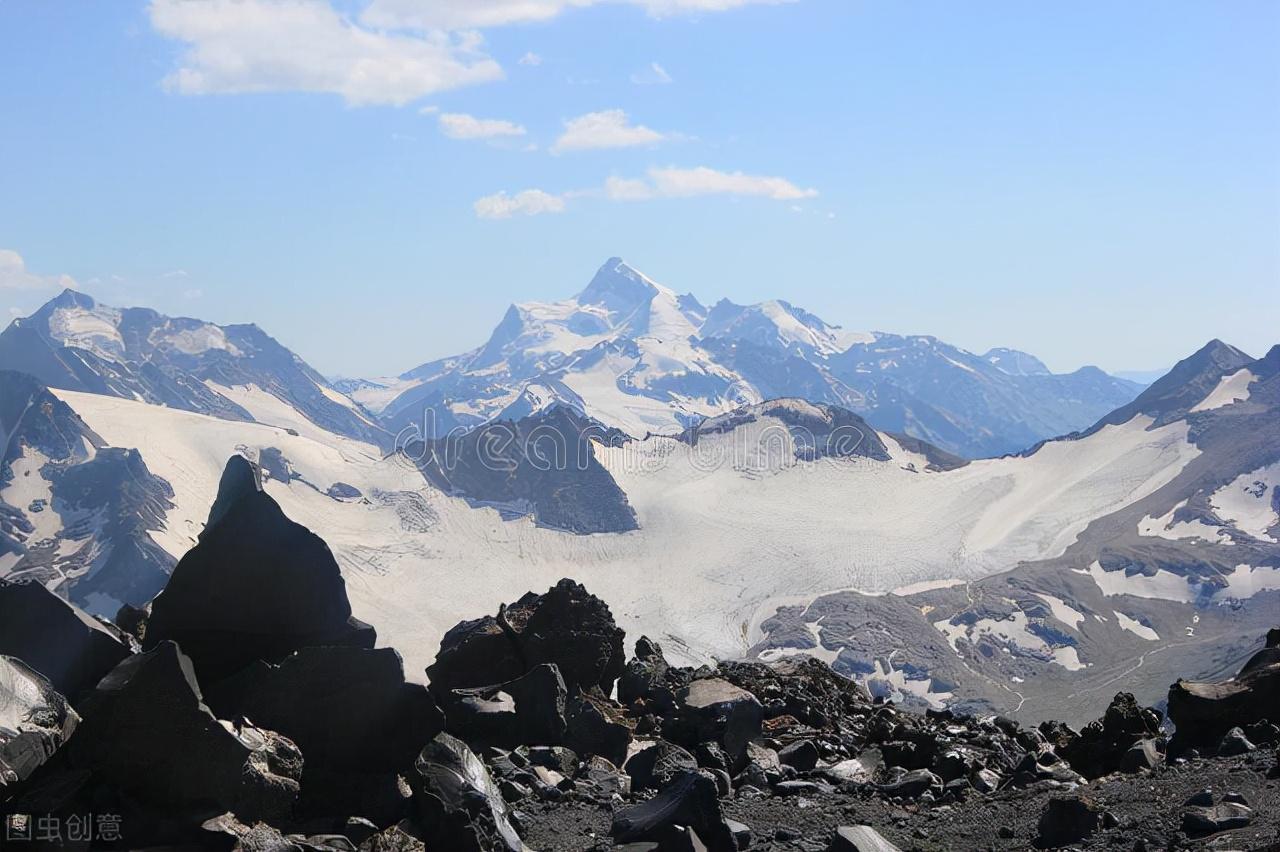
{"points": [[618, 287], [240, 478]]}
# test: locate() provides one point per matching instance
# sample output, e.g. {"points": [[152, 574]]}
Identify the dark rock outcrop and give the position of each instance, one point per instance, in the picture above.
{"points": [[1102, 746], [1203, 712], [689, 801], [70, 648], [566, 626], [147, 732], [257, 586], [529, 710]]}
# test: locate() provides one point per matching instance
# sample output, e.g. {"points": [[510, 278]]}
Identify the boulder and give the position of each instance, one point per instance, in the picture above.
{"points": [[655, 767], [1067, 820], [35, 721], [1235, 743], [70, 648], [1204, 712], [348, 709], [529, 710], [256, 586], [912, 785], [801, 755], [689, 801], [1142, 756], [593, 726], [457, 802], [566, 626], [1224, 816], [648, 677], [859, 838], [147, 732], [713, 709], [1101, 747]]}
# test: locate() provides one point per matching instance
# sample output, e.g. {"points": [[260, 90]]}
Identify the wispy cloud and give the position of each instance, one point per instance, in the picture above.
{"points": [[174, 273], [458, 125], [14, 275], [606, 129], [462, 14], [654, 75], [531, 59], [658, 183], [529, 202], [238, 46]]}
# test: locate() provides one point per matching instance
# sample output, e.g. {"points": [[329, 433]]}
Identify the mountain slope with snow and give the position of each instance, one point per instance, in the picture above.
{"points": [[634, 355], [74, 343]]}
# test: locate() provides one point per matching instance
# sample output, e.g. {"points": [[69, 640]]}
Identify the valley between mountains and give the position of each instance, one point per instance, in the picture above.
{"points": [[950, 529]]}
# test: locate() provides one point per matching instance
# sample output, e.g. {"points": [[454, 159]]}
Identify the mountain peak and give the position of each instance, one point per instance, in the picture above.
{"points": [[618, 287]]}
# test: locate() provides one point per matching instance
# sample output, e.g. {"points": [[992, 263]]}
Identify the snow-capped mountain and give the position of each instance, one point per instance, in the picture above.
{"points": [[236, 372], [778, 528], [634, 355]]}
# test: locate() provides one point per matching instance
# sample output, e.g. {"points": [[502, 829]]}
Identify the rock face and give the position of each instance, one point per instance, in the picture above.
{"points": [[566, 626], [1102, 746], [35, 721], [147, 731], [257, 586], [1204, 712], [70, 649], [346, 708], [690, 800]]}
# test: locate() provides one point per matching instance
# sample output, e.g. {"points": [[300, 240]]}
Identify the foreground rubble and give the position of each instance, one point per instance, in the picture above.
{"points": [[246, 709]]}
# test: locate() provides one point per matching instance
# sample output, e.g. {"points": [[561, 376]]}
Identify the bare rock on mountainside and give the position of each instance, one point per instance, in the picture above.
{"points": [[1204, 712], [567, 626], [257, 586]]}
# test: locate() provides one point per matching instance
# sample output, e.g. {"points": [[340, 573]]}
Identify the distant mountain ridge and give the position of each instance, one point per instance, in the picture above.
{"points": [[75, 343], [633, 354]]}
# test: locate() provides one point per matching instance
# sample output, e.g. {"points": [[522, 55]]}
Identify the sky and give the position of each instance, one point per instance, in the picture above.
{"points": [[374, 181]]}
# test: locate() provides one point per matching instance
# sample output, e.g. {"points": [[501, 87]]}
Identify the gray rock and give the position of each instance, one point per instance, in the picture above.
{"points": [[1142, 756], [35, 721], [859, 838], [1235, 743], [1224, 816]]}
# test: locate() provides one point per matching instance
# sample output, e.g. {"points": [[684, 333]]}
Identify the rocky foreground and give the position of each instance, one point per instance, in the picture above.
{"points": [[245, 708]]}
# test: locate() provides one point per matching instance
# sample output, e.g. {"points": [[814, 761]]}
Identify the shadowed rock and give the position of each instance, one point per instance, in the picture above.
{"points": [[70, 648], [1204, 712], [147, 732], [257, 586], [458, 804], [689, 801], [566, 626]]}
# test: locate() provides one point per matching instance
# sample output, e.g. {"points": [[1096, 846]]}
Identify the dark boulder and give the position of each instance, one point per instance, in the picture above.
{"points": [[529, 710], [650, 678], [457, 803], [713, 709], [347, 708], [1224, 816], [1101, 747], [257, 586], [1204, 712], [1141, 756], [654, 767], [594, 726], [801, 755], [566, 626], [70, 648], [689, 801], [1067, 820], [147, 732], [35, 721]]}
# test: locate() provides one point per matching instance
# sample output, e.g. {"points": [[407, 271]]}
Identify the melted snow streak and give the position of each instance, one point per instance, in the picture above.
{"points": [[717, 546]]}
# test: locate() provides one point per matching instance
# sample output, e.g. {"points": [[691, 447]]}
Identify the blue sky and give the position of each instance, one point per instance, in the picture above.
{"points": [[374, 182]]}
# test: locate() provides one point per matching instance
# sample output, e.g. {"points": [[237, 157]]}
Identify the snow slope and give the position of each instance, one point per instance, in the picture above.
{"points": [[729, 530]]}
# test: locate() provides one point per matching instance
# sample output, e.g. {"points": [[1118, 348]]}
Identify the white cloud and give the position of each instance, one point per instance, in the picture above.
{"points": [[175, 273], [672, 182], [15, 312], [607, 129], [458, 125], [531, 59], [463, 14], [659, 183], [685, 183], [14, 275], [236, 46], [192, 294], [529, 202], [654, 75]]}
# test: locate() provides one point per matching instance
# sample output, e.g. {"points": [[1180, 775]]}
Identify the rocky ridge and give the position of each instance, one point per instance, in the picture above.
{"points": [[201, 723]]}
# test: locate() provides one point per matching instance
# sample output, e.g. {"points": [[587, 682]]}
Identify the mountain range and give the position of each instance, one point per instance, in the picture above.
{"points": [[734, 481], [632, 354]]}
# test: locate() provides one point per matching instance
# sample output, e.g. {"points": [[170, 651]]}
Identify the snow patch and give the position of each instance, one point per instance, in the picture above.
{"points": [[1230, 390], [1248, 502], [1135, 627]]}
